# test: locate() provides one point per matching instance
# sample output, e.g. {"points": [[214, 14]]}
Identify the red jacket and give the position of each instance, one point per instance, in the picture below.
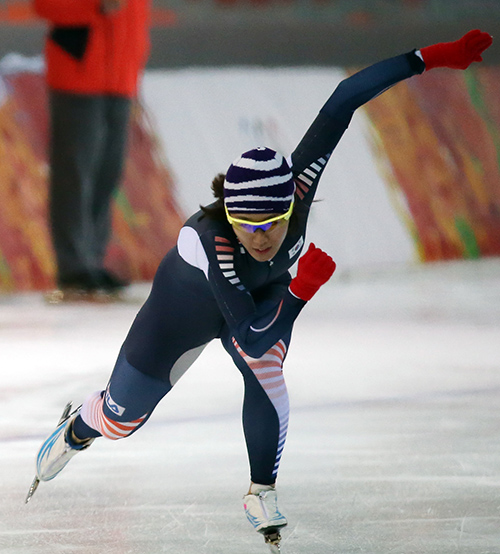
{"points": [[88, 52]]}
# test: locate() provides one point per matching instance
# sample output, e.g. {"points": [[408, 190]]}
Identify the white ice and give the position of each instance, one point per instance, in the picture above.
{"points": [[394, 441]]}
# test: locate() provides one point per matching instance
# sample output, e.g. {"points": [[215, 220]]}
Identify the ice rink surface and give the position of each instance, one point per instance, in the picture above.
{"points": [[393, 447]]}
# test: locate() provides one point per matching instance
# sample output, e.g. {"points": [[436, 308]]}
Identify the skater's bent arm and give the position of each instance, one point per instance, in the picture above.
{"points": [[256, 326]]}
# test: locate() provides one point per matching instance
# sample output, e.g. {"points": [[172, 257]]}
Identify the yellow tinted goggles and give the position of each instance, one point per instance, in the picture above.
{"points": [[252, 227]]}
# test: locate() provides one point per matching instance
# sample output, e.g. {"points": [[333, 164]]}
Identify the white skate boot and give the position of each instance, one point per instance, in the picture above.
{"points": [[261, 509], [56, 451]]}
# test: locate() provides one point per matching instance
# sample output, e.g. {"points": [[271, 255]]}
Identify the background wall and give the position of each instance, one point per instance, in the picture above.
{"points": [[206, 118], [146, 216], [416, 178], [214, 33]]}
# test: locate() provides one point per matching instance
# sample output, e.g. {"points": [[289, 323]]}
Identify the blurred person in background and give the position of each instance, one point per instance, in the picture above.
{"points": [[228, 279], [95, 53]]}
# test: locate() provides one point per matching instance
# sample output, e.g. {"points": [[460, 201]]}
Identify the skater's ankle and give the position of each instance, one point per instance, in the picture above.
{"points": [[75, 441], [256, 488]]}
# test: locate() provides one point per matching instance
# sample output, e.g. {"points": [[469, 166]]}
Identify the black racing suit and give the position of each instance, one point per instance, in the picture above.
{"points": [[209, 287]]}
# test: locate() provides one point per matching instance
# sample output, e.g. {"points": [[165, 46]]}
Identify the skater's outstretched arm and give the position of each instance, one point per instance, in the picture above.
{"points": [[334, 117]]}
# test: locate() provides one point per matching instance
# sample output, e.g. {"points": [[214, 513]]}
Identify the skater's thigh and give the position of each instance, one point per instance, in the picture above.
{"points": [[173, 326], [244, 362]]}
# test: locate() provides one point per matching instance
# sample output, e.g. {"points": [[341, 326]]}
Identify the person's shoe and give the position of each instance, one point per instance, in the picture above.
{"points": [[98, 287], [110, 282], [58, 449], [77, 287], [261, 509], [84, 282]]}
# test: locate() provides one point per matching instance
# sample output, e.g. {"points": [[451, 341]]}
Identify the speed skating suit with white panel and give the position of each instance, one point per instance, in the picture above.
{"points": [[209, 287]]}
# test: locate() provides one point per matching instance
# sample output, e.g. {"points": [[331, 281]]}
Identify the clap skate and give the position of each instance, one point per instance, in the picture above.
{"points": [[262, 512], [56, 451]]}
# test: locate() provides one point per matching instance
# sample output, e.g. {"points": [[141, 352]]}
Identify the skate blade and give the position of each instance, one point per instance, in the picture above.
{"points": [[273, 540], [36, 481], [32, 490]]}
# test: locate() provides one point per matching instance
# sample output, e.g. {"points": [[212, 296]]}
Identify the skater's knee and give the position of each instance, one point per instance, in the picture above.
{"points": [[96, 414], [115, 430]]}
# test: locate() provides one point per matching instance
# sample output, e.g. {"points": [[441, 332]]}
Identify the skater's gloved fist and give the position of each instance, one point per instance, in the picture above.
{"points": [[458, 54], [314, 269]]}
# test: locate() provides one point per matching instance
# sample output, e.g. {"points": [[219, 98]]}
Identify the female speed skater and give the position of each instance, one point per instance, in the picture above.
{"points": [[228, 279]]}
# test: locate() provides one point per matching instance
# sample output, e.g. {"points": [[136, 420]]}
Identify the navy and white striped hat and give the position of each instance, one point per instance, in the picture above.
{"points": [[259, 181]]}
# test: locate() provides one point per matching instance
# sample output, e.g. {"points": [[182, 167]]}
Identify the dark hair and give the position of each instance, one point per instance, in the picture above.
{"points": [[217, 211]]}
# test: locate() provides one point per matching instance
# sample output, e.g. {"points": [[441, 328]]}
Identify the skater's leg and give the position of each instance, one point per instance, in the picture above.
{"points": [[115, 413], [265, 408], [265, 423], [160, 346], [132, 394], [123, 407]]}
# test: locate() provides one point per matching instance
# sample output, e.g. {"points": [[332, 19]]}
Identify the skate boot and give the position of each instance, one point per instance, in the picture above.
{"points": [[57, 450], [261, 509]]}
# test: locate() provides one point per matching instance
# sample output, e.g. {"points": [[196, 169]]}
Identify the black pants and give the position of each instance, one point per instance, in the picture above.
{"points": [[87, 150]]}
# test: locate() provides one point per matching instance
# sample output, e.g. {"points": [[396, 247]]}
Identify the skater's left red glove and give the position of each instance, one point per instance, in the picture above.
{"points": [[314, 269], [458, 54]]}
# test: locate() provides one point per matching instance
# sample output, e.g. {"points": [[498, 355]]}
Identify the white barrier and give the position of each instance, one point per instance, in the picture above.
{"points": [[207, 117]]}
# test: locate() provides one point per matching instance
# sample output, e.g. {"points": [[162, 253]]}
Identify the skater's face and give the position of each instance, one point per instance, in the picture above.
{"points": [[262, 242]]}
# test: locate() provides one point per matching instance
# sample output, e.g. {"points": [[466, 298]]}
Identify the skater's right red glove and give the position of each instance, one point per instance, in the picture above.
{"points": [[314, 269], [458, 54]]}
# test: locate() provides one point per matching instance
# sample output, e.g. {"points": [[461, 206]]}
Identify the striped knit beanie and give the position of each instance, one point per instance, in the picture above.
{"points": [[259, 181]]}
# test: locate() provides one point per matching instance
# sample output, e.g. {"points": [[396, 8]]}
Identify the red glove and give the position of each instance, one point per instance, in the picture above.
{"points": [[314, 269], [459, 54]]}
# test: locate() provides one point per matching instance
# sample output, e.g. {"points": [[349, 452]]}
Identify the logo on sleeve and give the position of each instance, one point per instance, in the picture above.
{"points": [[295, 249]]}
